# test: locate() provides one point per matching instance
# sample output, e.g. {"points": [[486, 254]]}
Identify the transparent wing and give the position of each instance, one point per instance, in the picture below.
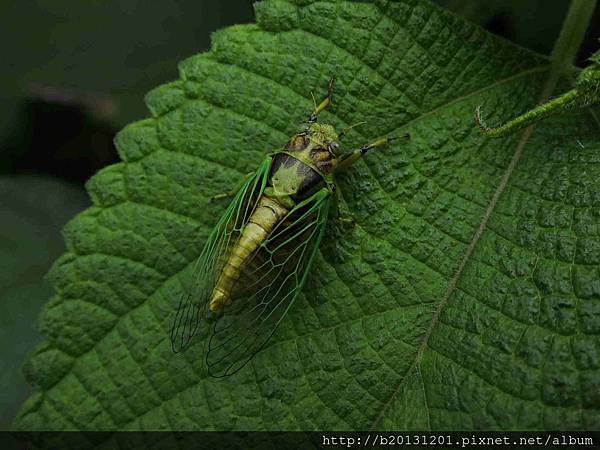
{"points": [[269, 284], [193, 304]]}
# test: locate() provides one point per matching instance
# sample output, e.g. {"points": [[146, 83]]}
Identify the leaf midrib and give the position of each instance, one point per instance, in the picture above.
{"points": [[547, 90]]}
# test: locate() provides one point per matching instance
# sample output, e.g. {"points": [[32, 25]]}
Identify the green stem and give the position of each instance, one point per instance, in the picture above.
{"points": [[562, 58], [571, 35], [533, 115]]}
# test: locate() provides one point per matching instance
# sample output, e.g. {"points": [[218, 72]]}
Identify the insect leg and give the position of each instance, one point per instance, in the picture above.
{"points": [[350, 158], [236, 188], [324, 104], [343, 213]]}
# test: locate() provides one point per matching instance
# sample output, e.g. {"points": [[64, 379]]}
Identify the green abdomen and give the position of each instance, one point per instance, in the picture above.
{"points": [[267, 214]]}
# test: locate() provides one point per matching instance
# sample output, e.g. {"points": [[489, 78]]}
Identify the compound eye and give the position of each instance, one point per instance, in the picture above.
{"points": [[334, 146]]}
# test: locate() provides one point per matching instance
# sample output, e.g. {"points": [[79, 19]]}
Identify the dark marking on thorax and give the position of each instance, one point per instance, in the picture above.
{"points": [[309, 180]]}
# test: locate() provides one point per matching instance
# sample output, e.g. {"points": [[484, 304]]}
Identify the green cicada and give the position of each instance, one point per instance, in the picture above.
{"points": [[258, 256]]}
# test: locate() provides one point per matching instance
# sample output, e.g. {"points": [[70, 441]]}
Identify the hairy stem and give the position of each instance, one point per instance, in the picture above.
{"points": [[562, 58]]}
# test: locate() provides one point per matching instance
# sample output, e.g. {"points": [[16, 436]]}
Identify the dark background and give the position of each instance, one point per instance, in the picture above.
{"points": [[74, 73]]}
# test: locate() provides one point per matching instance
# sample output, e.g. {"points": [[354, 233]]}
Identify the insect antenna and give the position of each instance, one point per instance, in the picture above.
{"points": [[345, 130], [314, 100]]}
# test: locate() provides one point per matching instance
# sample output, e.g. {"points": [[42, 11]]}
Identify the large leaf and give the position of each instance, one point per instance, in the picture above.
{"points": [[466, 295]]}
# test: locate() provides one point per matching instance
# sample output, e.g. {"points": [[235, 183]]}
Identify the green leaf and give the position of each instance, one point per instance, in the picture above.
{"points": [[466, 296]]}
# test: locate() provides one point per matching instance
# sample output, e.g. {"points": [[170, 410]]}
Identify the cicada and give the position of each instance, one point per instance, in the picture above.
{"points": [[258, 256]]}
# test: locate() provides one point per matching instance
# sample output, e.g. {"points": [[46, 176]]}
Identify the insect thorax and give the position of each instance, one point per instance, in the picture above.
{"points": [[292, 177], [305, 163]]}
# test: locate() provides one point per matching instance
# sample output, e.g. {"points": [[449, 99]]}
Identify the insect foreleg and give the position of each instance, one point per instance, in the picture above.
{"points": [[340, 206], [324, 104], [351, 157], [236, 188]]}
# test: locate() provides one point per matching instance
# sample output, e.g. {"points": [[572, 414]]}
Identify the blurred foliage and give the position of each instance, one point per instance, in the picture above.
{"points": [[34, 209], [104, 55], [534, 24]]}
